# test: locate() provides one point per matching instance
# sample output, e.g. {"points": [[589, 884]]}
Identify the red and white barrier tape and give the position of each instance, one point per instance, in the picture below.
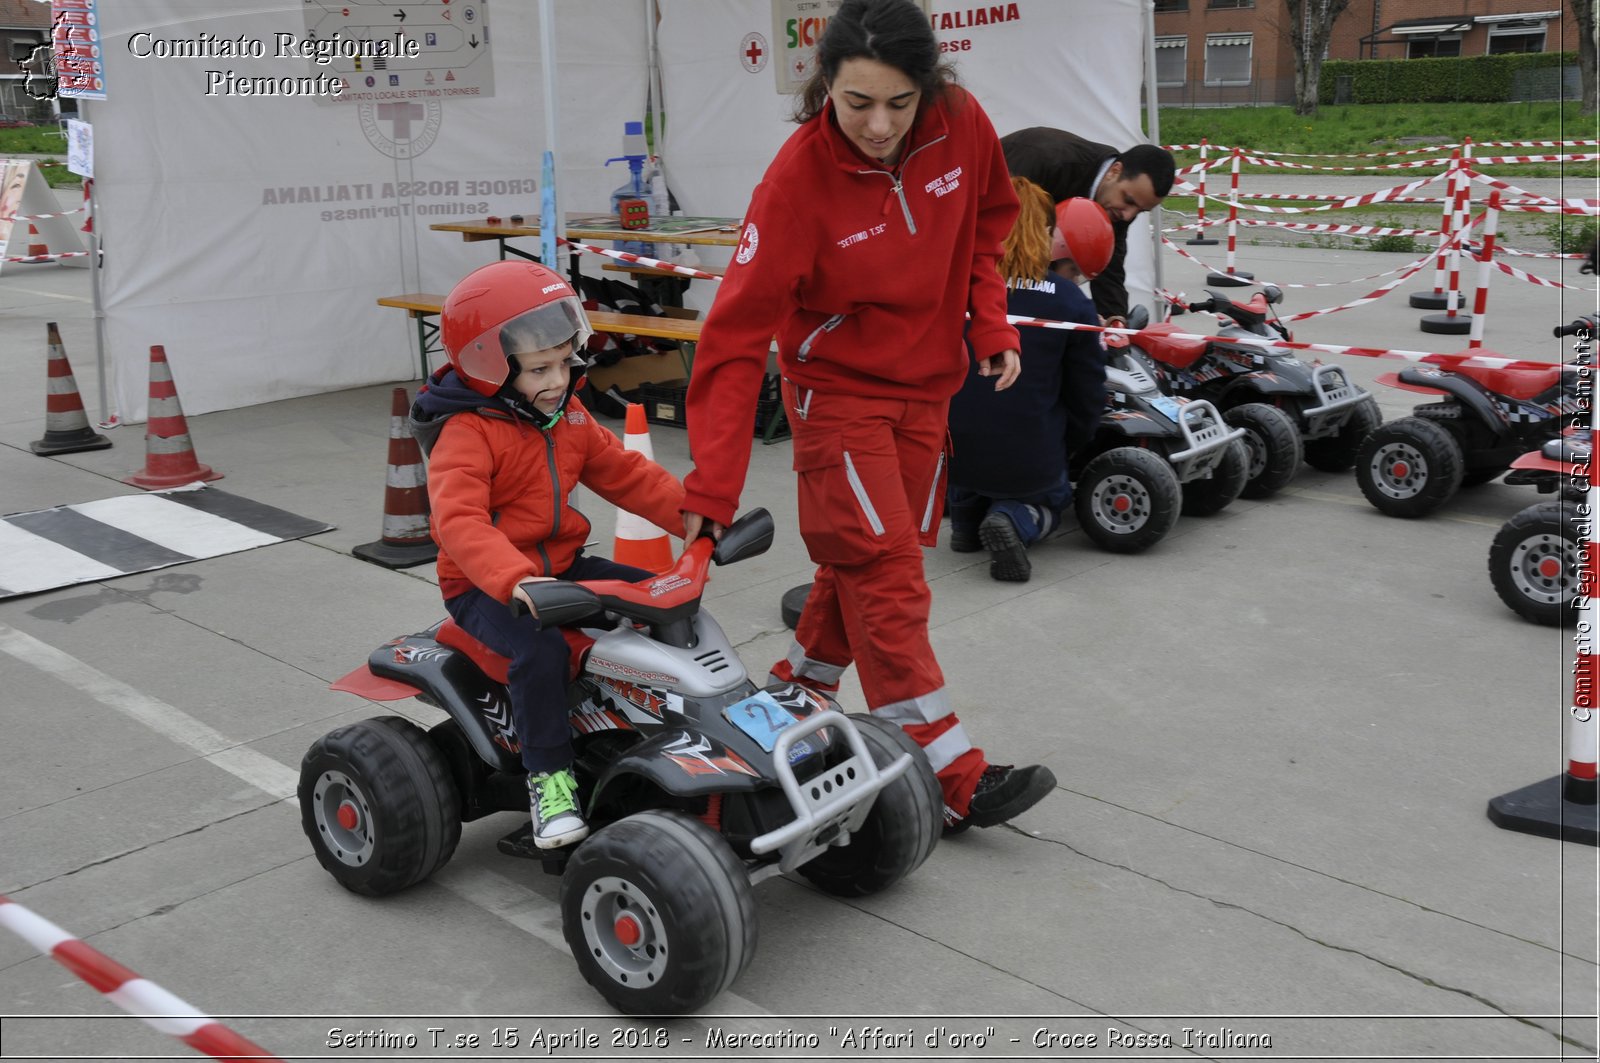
{"points": [[1383, 195], [1345, 230], [1288, 284], [1428, 357], [1485, 160], [45, 258], [56, 214], [1542, 282], [642, 260], [1407, 151], [137, 996], [1532, 201]]}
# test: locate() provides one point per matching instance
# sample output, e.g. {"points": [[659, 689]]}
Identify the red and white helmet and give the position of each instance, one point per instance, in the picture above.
{"points": [[1083, 234], [504, 309]]}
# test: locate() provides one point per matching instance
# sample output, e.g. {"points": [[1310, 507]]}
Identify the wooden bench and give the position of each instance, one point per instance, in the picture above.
{"points": [[424, 308]]}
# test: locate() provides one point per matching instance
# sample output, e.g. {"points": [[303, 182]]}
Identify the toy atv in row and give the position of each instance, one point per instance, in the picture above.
{"points": [[1486, 418], [1290, 410]]}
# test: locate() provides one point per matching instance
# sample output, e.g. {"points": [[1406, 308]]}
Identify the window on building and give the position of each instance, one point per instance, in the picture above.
{"points": [[1172, 60], [1228, 59], [1504, 40], [1433, 48], [1230, 3], [1171, 5]]}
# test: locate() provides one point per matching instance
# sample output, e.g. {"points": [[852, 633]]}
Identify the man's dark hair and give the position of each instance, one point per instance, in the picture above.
{"points": [[1155, 163], [893, 32]]}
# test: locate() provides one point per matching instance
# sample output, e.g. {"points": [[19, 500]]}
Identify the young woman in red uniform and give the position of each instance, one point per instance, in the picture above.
{"points": [[872, 235]]}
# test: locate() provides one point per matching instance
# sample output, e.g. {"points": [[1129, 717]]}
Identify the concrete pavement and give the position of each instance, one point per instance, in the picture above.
{"points": [[1275, 735]]}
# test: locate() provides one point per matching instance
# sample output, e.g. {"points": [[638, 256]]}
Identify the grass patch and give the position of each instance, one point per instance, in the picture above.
{"points": [[32, 140], [1363, 128]]}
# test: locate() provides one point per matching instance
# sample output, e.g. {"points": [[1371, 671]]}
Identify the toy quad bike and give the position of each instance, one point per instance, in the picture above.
{"points": [[696, 783], [1488, 417], [1290, 411], [1148, 450], [1537, 555]]}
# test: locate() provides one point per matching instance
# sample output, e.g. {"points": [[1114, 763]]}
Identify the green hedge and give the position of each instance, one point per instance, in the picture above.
{"points": [[1474, 79]]}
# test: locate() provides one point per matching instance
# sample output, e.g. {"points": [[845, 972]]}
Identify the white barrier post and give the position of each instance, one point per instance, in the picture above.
{"points": [[1435, 300], [1232, 278], [1200, 236], [1565, 806], [1480, 300], [1452, 322]]}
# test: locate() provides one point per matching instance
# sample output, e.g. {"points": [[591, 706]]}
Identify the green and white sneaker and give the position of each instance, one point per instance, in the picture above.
{"points": [[556, 818]]}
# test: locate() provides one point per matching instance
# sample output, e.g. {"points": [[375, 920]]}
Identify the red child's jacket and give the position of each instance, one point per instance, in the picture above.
{"points": [[863, 272], [499, 490]]}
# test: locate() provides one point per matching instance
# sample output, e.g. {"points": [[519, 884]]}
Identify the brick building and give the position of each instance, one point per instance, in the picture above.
{"points": [[1238, 51], [23, 24]]}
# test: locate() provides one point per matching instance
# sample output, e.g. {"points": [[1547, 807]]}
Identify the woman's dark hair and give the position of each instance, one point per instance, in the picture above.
{"points": [[893, 32]]}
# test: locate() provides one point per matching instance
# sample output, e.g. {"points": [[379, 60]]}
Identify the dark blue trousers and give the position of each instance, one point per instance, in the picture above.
{"points": [[539, 655]]}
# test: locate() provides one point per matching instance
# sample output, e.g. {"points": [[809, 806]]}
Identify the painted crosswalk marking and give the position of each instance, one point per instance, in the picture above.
{"points": [[110, 537]]}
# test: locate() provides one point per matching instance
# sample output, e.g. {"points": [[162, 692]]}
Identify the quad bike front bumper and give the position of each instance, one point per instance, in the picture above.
{"points": [[831, 805]]}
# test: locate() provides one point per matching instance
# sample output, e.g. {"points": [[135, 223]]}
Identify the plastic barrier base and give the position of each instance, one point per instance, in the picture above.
{"points": [[1237, 279], [1445, 325], [1435, 300], [1544, 809]]}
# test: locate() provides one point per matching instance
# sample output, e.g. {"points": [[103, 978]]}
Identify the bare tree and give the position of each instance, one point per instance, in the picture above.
{"points": [[1584, 12], [1310, 25]]}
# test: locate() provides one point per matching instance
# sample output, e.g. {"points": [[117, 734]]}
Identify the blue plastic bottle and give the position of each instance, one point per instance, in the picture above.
{"points": [[634, 153]]}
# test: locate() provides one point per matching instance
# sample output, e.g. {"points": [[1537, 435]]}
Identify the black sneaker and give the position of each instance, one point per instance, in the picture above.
{"points": [[964, 538], [1005, 792], [1008, 557]]}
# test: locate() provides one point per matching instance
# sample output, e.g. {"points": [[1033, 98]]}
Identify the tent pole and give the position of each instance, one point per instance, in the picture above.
{"points": [[94, 281], [547, 58], [1152, 110]]}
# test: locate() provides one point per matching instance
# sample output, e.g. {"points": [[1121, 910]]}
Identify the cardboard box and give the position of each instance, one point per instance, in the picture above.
{"points": [[629, 373]]}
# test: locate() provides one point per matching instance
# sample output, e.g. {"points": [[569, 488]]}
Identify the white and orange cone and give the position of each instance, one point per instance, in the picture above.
{"points": [[66, 426], [405, 541], [170, 460], [640, 543], [36, 245]]}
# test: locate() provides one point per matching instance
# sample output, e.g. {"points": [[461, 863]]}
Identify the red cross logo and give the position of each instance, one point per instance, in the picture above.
{"points": [[753, 53]]}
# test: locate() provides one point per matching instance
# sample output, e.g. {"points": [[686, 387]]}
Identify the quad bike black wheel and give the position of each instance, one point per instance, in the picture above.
{"points": [[658, 913], [900, 832], [1127, 499], [1409, 468], [793, 603], [378, 803], [1201, 498], [1273, 441], [1535, 560], [1337, 453]]}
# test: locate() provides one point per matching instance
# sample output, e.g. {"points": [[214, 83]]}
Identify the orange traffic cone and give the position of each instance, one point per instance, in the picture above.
{"points": [[405, 540], [169, 454], [66, 426], [36, 246], [640, 543]]}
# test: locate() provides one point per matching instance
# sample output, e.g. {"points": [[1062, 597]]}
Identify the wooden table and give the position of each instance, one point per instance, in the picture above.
{"points": [[667, 288]]}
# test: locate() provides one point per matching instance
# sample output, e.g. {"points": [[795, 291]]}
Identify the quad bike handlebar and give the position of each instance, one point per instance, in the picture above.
{"points": [[673, 595], [1581, 325]]}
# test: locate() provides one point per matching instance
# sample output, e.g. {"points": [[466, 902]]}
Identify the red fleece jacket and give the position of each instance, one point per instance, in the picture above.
{"points": [[499, 491], [863, 272]]}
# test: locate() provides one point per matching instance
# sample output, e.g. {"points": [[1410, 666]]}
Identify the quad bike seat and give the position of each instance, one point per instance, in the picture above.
{"points": [[1165, 348], [496, 666], [1512, 383]]}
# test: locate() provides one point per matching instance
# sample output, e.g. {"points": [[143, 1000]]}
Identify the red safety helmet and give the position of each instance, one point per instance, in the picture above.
{"points": [[523, 305], [1083, 234]]}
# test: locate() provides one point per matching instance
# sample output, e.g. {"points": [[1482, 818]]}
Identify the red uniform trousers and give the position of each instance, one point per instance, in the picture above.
{"points": [[871, 487]]}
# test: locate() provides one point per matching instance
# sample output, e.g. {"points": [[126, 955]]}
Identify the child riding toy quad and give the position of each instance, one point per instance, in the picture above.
{"points": [[1489, 416], [699, 784], [1290, 411]]}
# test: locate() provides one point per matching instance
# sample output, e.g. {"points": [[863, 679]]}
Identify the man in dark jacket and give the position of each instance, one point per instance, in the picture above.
{"points": [[1126, 184]]}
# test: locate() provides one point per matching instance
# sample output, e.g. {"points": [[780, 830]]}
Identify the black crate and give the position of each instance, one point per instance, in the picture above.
{"points": [[664, 404]]}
